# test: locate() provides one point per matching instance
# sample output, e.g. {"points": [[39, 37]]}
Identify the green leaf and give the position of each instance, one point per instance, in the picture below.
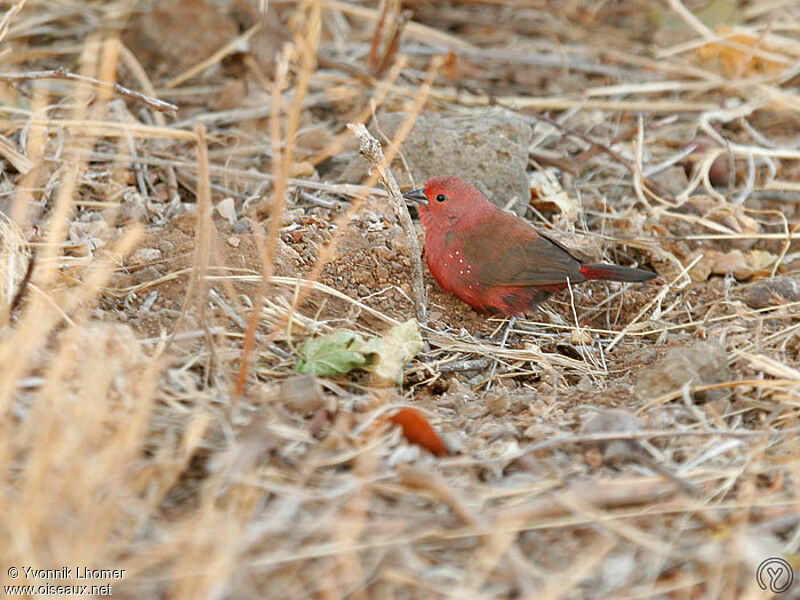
{"points": [[392, 351], [713, 14], [333, 354], [342, 351], [721, 12]]}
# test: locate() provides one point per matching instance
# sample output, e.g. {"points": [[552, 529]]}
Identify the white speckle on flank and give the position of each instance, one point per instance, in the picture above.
{"points": [[462, 272], [461, 260]]}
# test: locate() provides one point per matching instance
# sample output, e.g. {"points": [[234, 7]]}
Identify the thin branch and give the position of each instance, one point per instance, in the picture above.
{"points": [[23, 285], [62, 73], [371, 150]]}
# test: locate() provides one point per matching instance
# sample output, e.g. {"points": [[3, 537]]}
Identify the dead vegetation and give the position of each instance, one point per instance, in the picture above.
{"points": [[153, 420]]}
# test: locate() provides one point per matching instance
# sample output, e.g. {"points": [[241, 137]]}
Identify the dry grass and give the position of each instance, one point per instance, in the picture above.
{"points": [[145, 426]]}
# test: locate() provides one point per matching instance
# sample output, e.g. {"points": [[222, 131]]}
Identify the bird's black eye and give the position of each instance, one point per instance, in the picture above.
{"points": [[441, 198]]}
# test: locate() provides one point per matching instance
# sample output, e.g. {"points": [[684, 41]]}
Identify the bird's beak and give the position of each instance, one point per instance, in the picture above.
{"points": [[417, 196]]}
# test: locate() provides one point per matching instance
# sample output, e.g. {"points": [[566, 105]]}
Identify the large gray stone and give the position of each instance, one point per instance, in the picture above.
{"points": [[701, 363], [489, 150]]}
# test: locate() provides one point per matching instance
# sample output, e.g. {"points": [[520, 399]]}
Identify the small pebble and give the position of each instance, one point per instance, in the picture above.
{"points": [[241, 226], [166, 247], [143, 256]]}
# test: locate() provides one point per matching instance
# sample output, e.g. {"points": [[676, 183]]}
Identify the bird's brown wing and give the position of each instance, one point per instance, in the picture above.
{"points": [[507, 251]]}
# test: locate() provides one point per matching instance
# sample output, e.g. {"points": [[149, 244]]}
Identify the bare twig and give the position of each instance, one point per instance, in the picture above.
{"points": [[62, 73], [23, 285], [426, 480], [394, 42], [372, 59], [371, 150], [686, 15], [21, 162]]}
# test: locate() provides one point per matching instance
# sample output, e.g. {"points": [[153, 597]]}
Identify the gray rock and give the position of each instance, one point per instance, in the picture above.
{"points": [[489, 150], [166, 247], [145, 275], [701, 363], [241, 226], [772, 292], [614, 420], [301, 393], [132, 207]]}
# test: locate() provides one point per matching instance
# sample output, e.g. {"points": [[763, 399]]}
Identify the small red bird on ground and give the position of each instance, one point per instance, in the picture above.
{"points": [[496, 262]]}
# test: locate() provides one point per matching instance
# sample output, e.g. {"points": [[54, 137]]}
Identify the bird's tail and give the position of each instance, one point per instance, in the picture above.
{"points": [[615, 273]]}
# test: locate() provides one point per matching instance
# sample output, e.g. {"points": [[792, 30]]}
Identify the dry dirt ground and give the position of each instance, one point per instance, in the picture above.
{"points": [[154, 420]]}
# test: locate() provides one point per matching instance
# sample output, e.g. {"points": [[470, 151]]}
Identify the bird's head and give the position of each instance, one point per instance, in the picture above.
{"points": [[449, 203]]}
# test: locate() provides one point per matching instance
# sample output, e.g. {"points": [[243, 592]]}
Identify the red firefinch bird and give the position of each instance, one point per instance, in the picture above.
{"points": [[496, 262]]}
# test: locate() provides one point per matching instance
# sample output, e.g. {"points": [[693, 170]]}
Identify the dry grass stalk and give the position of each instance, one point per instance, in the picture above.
{"points": [[15, 258]]}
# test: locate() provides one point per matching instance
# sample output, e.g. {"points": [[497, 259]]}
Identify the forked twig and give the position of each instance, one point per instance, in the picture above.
{"points": [[371, 150]]}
